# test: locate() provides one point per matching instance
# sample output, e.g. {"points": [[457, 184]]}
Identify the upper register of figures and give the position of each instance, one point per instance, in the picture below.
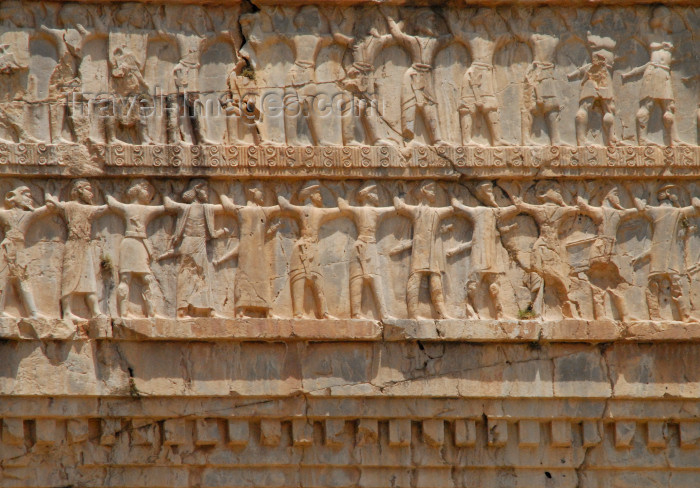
{"points": [[187, 74]]}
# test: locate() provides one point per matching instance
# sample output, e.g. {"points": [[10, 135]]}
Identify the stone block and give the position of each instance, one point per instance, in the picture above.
{"points": [[302, 432], [334, 431], [270, 432], [561, 433], [400, 432], [434, 432], [13, 431], [497, 432], [174, 432], [206, 432], [367, 432], [78, 430], [46, 434], [624, 433], [465, 433], [529, 433], [238, 432]]}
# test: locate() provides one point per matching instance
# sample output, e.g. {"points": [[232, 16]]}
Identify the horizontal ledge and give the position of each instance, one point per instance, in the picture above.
{"points": [[304, 162], [349, 330]]}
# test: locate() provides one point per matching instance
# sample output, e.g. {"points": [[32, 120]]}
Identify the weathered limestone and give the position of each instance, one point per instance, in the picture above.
{"points": [[422, 244]]}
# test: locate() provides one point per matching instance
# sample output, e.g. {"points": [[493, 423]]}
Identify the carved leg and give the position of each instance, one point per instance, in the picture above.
{"points": [[320, 297], [430, 114], [172, 119], [66, 311], [412, 294], [466, 120], [298, 287], [369, 115], [27, 298], [495, 295], [620, 303], [408, 121], [562, 293], [493, 118], [375, 285], [437, 296], [609, 110], [669, 118], [552, 120], [652, 296], [347, 120], [678, 297], [93, 305], [57, 114], [149, 284], [598, 302], [356, 297], [197, 114], [581, 121], [471, 300], [642, 116], [526, 119], [292, 111], [110, 129], [123, 294]]}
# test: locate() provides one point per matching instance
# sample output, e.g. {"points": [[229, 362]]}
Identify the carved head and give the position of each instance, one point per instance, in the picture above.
{"points": [[427, 24], [195, 18], [427, 191], [16, 13], [81, 190], [308, 19], [661, 19], [368, 194], [549, 191], [256, 193], [197, 190], [72, 14], [484, 192], [20, 197], [613, 198], [133, 14], [311, 191], [667, 194], [545, 20], [140, 191]]}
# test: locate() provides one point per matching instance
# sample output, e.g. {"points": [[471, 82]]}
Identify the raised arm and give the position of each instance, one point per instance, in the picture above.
{"points": [[228, 204], [402, 208], [396, 31], [505, 213], [116, 206], [463, 209], [585, 208], [285, 205]]}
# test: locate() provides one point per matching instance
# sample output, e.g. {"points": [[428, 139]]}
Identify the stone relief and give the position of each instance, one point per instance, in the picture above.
{"points": [[152, 74], [383, 250]]}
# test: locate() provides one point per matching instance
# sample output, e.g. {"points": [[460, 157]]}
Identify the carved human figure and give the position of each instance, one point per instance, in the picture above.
{"points": [[541, 95], [65, 84], [602, 263], [306, 40], [427, 253], [486, 263], [666, 259], [417, 87], [193, 229], [135, 252], [191, 35], [364, 264], [14, 18], [360, 84], [78, 272], [485, 33], [241, 105], [549, 258], [132, 91], [252, 292], [656, 89], [596, 81], [305, 265], [16, 217]]}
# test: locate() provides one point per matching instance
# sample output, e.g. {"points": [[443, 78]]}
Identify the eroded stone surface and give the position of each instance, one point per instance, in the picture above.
{"points": [[349, 244]]}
